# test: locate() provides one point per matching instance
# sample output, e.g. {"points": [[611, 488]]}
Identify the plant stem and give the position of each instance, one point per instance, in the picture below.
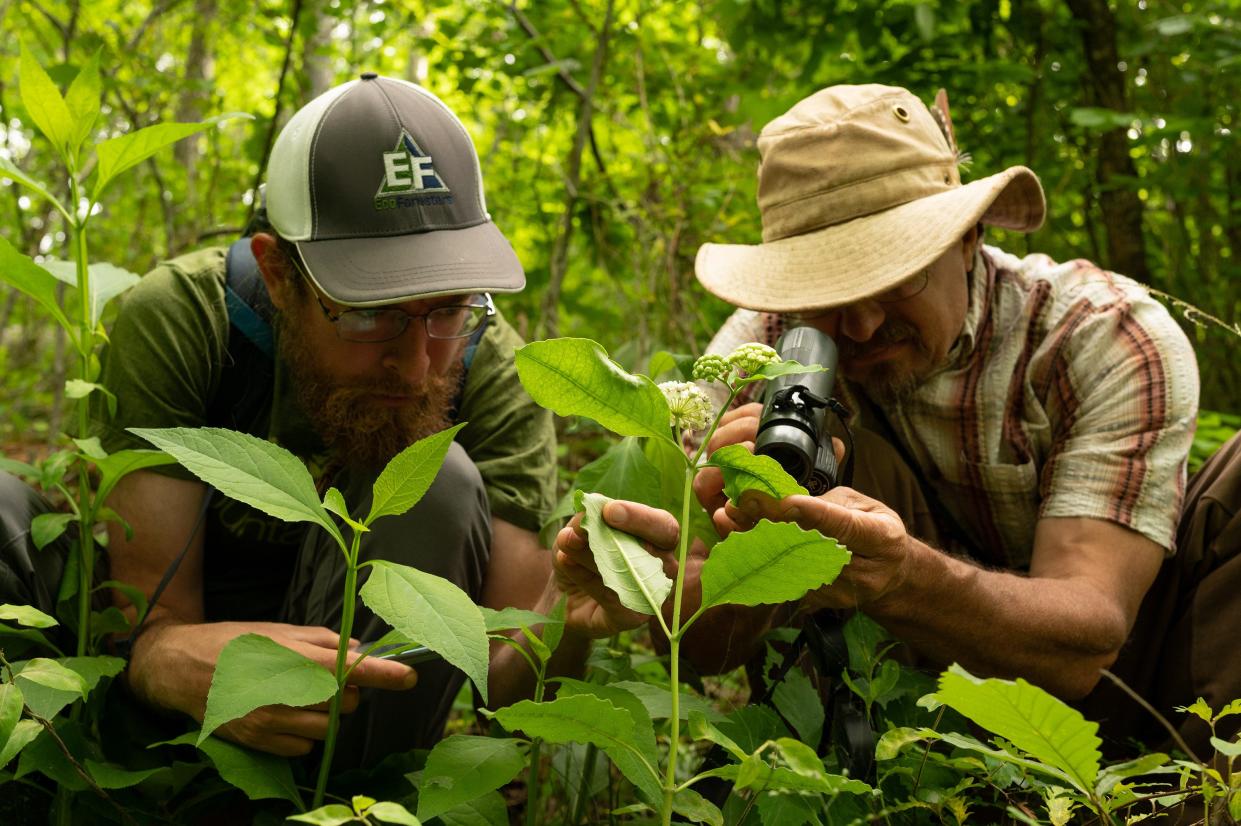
{"points": [[674, 646], [536, 745], [342, 652], [86, 513]]}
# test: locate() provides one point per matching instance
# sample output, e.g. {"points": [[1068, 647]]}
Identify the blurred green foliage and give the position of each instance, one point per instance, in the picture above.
{"points": [[670, 160]]}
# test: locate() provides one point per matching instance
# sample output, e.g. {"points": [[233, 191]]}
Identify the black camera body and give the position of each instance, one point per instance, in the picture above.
{"points": [[793, 427]]}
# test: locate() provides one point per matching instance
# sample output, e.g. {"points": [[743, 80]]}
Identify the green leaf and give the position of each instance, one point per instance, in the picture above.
{"points": [[488, 810], [433, 611], [47, 527], [121, 153], [117, 465], [91, 447], [575, 377], [510, 619], [680, 364], [776, 369], [1109, 776], [893, 741], [576, 719], [658, 701], [623, 472], [107, 281], [1226, 748], [332, 814], [254, 671], [632, 764], [390, 812], [23, 734], [690, 804], [776, 809], [112, 776], [798, 702], [334, 501], [629, 569], [22, 273], [52, 674], [261, 776], [135, 595], [462, 768], [773, 563], [9, 170], [1032, 719], [744, 471], [1097, 119], [700, 728], [1200, 709], [45, 104], [27, 615], [11, 704], [410, 473], [83, 102], [246, 468]]}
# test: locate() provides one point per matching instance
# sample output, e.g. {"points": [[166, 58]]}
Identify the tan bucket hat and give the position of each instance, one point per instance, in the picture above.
{"points": [[858, 189]]}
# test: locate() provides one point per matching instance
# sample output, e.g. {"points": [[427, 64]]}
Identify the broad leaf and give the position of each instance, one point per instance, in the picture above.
{"points": [[629, 569], [117, 465], [1030, 718], [700, 728], [121, 153], [578, 719], [334, 501], [462, 768], [488, 810], [51, 674], [510, 619], [623, 472], [45, 104], [632, 764], [332, 814], [389, 812], [744, 471], [575, 377], [26, 615], [410, 473], [47, 528], [19, 271], [773, 563], [23, 734], [112, 776], [696, 808], [11, 704], [83, 100], [261, 776], [751, 726], [434, 612], [798, 702], [107, 281], [246, 468], [254, 671], [776, 369], [776, 809], [658, 701]]}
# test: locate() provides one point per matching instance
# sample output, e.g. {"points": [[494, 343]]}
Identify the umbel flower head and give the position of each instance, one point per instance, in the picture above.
{"points": [[751, 357], [711, 367], [690, 407]]}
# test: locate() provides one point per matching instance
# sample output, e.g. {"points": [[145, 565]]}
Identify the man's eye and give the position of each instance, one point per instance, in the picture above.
{"points": [[365, 319]]}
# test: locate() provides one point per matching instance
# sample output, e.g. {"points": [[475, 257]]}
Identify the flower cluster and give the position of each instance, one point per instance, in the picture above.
{"points": [[751, 357], [690, 407], [711, 367]]}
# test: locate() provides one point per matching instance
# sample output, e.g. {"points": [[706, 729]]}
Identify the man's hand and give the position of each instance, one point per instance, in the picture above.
{"points": [[173, 665], [872, 531], [738, 426], [591, 606]]}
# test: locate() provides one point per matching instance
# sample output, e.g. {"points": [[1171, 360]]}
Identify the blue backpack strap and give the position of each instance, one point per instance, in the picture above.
{"points": [[249, 307]]}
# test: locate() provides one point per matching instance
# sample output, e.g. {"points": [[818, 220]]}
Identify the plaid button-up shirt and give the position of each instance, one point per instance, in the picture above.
{"points": [[1069, 393]]}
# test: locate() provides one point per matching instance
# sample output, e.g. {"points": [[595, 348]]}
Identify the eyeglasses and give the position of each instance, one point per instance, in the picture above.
{"points": [[372, 325]]}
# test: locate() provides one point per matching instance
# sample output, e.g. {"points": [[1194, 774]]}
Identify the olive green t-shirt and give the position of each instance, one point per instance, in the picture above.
{"points": [[169, 349]]}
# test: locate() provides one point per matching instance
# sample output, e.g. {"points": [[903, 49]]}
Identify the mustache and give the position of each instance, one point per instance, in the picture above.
{"points": [[894, 331]]}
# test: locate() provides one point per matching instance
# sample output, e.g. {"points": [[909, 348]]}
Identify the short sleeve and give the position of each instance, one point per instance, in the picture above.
{"points": [[166, 350], [1123, 406], [511, 439]]}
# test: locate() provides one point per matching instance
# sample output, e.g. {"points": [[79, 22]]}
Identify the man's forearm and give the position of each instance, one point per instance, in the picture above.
{"points": [[1056, 633], [510, 676]]}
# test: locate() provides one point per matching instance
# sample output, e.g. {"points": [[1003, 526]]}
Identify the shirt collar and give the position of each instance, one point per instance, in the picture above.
{"points": [[981, 281]]}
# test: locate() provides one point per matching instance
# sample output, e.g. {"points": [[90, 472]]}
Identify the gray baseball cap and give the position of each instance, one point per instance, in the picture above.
{"points": [[378, 185]]}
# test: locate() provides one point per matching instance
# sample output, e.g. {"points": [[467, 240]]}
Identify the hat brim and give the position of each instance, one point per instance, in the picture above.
{"points": [[365, 272], [857, 259]]}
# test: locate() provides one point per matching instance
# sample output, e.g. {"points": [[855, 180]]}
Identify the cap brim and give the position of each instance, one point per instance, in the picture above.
{"points": [[855, 260], [363, 272]]}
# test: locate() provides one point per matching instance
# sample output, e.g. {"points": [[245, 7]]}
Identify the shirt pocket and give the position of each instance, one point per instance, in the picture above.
{"points": [[997, 504]]}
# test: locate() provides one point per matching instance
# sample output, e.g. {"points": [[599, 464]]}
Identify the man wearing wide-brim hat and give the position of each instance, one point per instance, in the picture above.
{"points": [[1033, 419]]}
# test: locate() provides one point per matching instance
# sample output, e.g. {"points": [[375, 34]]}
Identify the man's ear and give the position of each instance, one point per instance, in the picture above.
{"points": [[275, 267], [969, 245]]}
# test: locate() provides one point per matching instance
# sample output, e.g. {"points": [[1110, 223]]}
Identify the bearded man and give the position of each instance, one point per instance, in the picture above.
{"points": [[373, 262], [1020, 504]]}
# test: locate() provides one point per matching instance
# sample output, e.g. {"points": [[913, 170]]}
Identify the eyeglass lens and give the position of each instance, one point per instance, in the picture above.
{"points": [[457, 321]]}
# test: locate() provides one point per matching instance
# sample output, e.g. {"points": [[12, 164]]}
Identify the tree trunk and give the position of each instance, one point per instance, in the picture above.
{"points": [[316, 52], [1105, 86], [193, 104]]}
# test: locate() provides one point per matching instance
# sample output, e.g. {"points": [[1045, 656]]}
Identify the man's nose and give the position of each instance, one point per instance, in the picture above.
{"points": [[857, 321], [407, 355]]}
